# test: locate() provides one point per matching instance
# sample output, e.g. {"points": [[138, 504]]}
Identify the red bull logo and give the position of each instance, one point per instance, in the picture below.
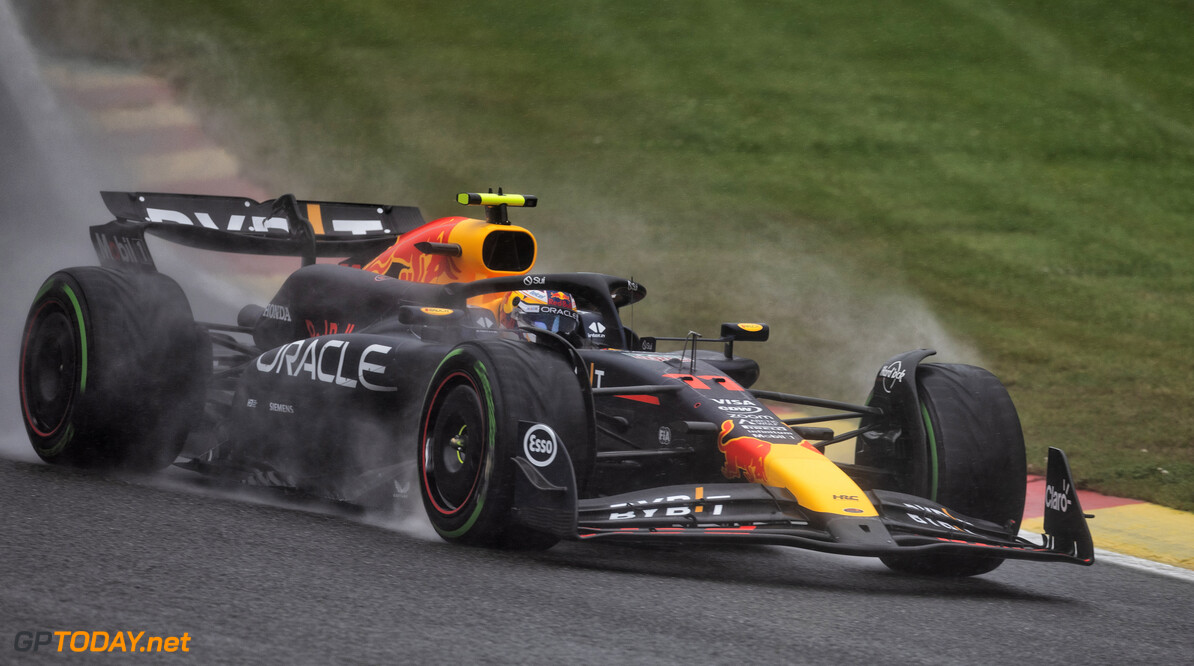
{"points": [[814, 480], [403, 261], [468, 250], [559, 299], [744, 455]]}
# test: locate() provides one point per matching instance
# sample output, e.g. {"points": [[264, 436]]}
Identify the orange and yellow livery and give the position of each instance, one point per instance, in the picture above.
{"points": [[462, 249]]}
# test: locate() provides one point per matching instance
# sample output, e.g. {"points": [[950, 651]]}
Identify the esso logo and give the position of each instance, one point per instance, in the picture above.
{"points": [[540, 444]]}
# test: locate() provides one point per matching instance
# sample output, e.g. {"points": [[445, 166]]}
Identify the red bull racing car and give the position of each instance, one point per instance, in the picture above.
{"points": [[432, 360]]}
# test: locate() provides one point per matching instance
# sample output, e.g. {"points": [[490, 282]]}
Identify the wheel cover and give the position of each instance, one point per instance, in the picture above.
{"points": [[454, 445], [49, 369]]}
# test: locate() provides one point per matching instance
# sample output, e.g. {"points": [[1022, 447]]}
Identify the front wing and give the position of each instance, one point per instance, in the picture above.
{"points": [[754, 513]]}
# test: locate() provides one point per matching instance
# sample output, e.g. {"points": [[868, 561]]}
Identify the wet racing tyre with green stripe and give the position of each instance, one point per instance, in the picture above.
{"points": [[974, 462], [470, 433], [113, 370]]}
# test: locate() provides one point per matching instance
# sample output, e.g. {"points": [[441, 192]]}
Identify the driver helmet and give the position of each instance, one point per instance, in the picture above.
{"points": [[553, 311]]}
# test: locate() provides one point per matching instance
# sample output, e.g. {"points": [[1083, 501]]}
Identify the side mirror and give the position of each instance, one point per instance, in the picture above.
{"points": [[745, 332], [731, 332]]}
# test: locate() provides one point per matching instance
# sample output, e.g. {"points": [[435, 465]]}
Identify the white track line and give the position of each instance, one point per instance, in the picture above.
{"points": [[1130, 561]]}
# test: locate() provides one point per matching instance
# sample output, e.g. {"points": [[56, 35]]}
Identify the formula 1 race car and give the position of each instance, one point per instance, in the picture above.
{"points": [[524, 407]]}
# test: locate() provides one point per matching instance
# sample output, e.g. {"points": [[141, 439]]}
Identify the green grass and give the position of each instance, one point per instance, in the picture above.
{"points": [[1008, 181]]}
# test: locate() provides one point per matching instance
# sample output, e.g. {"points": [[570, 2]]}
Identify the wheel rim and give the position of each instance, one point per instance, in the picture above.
{"points": [[454, 447], [49, 367]]}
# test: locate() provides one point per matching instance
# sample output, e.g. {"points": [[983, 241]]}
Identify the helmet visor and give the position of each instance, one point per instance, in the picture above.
{"points": [[564, 321]]}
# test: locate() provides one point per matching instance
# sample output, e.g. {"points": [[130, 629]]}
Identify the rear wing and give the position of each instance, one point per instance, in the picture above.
{"points": [[284, 226]]}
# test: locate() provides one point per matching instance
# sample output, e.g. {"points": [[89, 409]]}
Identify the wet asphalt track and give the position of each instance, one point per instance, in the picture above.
{"points": [[254, 581]]}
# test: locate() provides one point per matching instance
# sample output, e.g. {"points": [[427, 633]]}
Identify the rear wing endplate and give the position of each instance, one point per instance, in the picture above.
{"points": [[284, 226]]}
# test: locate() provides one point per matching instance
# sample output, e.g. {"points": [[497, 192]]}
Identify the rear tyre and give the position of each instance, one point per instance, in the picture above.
{"points": [[113, 369], [974, 460], [470, 436]]}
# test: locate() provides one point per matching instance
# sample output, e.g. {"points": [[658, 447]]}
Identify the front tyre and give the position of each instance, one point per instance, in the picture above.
{"points": [[113, 369], [470, 435], [974, 460]]}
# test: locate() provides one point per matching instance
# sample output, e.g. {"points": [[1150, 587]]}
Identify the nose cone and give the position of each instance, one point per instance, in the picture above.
{"points": [[816, 481]]}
